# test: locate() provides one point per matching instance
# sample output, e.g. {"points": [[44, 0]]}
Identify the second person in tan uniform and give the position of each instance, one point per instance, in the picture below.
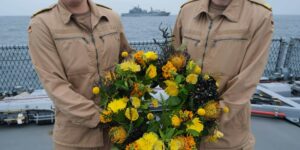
{"points": [[72, 44], [230, 40]]}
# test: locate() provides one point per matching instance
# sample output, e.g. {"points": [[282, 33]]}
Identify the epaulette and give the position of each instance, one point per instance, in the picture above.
{"points": [[189, 1], [103, 6], [43, 10], [262, 3]]}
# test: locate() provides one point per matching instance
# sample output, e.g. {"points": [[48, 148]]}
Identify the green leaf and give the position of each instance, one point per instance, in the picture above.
{"points": [[174, 101], [165, 119], [193, 132], [170, 133], [179, 79], [162, 135], [139, 122], [154, 127]]}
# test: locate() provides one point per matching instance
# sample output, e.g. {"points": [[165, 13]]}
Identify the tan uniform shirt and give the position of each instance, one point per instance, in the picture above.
{"points": [[68, 60], [233, 47]]}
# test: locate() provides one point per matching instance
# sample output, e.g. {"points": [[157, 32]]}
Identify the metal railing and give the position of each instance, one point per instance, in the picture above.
{"points": [[16, 68]]}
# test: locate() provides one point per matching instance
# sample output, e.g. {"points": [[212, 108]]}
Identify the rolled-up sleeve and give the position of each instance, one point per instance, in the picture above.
{"points": [[48, 65]]}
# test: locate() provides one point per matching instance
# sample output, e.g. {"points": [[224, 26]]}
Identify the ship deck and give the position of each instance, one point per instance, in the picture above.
{"points": [[270, 133]]}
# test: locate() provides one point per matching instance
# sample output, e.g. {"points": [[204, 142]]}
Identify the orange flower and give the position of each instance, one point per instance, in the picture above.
{"points": [[168, 70], [178, 60], [137, 92], [138, 56]]}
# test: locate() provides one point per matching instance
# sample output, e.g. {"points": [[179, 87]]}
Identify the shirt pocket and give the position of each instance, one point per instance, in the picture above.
{"points": [[230, 49], [111, 48], [74, 52], [192, 42]]}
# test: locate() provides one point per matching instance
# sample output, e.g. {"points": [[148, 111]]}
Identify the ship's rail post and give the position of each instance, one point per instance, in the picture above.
{"points": [[292, 59]]}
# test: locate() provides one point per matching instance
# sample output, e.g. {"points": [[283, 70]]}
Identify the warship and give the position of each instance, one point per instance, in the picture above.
{"points": [[139, 12]]}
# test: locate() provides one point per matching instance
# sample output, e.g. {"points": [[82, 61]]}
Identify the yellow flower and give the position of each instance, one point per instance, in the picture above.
{"points": [[172, 88], [178, 60], [217, 135], [201, 112], [212, 110], [151, 56], [117, 135], [206, 77], [159, 145], [151, 72], [130, 66], [96, 90], [105, 116], [197, 70], [155, 103], [176, 121], [150, 116], [217, 84], [136, 102], [117, 105], [182, 143], [169, 70], [148, 141], [109, 76], [196, 125], [132, 114], [226, 109], [124, 54], [177, 143], [192, 78]]}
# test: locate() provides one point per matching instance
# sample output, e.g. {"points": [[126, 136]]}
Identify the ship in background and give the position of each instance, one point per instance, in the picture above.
{"points": [[139, 12]]}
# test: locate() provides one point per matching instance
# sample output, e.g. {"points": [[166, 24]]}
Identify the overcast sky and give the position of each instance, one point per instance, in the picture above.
{"points": [[27, 7]]}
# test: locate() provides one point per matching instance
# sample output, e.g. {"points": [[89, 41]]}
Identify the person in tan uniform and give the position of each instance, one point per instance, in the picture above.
{"points": [[230, 40], [72, 44]]}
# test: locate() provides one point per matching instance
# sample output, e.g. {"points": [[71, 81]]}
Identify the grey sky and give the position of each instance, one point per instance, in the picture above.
{"points": [[27, 7]]}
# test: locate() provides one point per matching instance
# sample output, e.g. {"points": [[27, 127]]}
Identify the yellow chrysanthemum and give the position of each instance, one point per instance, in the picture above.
{"points": [[124, 54], [176, 121], [196, 125], [177, 143], [130, 66], [159, 145], [151, 72], [178, 60], [105, 116], [201, 112], [151, 56], [169, 70], [212, 110], [172, 88], [148, 141], [197, 70], [154, 103], [136, 102], [150, 116], [132, 114], [192, 78], [214, 138], [96, 90], [117, 105], [117, 135]]}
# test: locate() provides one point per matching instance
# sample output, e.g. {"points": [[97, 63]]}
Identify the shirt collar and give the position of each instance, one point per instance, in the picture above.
{"points": [[232, 12], [66, 14]]}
